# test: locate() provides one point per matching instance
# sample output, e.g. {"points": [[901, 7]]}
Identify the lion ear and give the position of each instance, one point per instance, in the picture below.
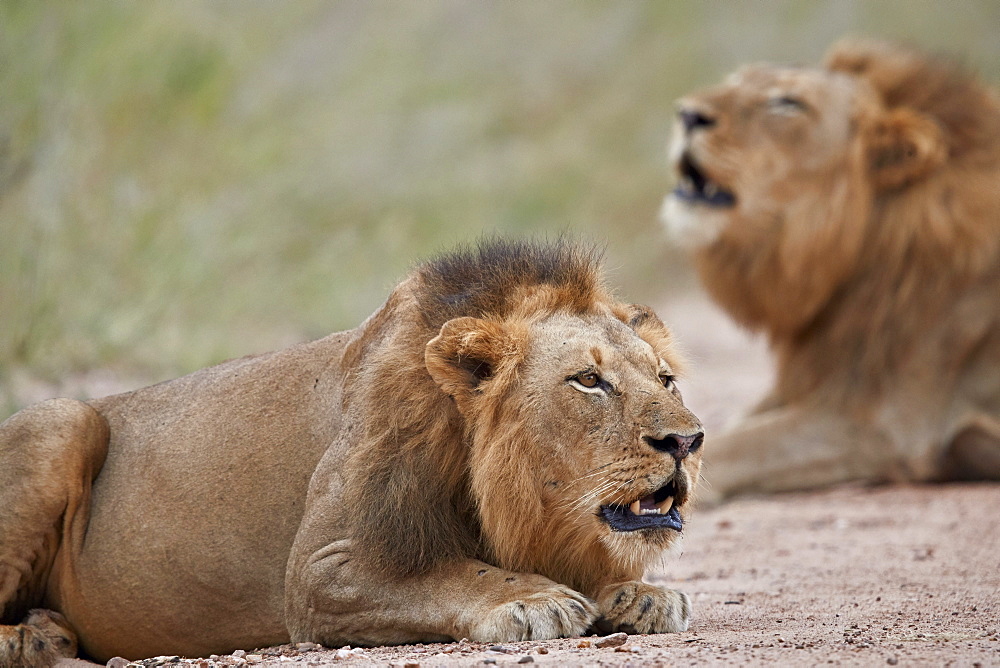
{"points": [[904, 147], [466, 352], [644, 322]]}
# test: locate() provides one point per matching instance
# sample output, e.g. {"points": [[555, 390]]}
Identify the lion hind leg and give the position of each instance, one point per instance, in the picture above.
{"points": [[974, 452], [49, 456], [39, 641], [794, 448]]}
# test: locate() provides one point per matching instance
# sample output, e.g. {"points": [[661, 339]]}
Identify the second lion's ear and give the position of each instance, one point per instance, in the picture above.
{"points": [[904, 146], [467, 352]]}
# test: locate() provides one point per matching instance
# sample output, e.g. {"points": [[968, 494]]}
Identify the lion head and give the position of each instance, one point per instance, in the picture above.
{"points": [[523, 416], [852, 213], [843, 202]]}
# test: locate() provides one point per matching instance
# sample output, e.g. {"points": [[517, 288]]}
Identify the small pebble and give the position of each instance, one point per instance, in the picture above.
{"points": [[239, 654], [525, 659], [118, 662], [613, 640], [583, 643], [542, 650], [411, 664], [343, 653], [306, 646], [626, 648]]}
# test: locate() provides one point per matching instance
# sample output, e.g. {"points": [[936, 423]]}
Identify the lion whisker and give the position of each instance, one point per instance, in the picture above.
{"points": [[596, 471], [590, 496]]}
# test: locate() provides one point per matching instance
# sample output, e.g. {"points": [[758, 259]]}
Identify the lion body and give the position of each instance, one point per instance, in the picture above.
{"points": [[370, 487], [861, 234]]}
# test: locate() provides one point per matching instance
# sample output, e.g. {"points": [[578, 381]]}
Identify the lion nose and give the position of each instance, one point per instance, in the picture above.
{"points": [[692, 118], [677, 446]]}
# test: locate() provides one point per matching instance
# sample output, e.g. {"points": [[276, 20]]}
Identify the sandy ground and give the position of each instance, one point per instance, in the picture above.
{"points": [[851, 576]]}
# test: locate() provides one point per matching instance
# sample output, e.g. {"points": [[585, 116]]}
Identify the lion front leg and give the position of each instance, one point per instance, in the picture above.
{"points": [[525, 607], [335, 599], [637, 607]]}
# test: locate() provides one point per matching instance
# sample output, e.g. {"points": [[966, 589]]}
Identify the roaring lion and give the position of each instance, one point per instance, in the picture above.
{"points": [[497, 453], [852, 213]]}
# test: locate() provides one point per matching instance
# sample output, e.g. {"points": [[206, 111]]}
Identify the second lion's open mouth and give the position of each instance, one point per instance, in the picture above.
{"points": [[653, 511], [695, 186]]}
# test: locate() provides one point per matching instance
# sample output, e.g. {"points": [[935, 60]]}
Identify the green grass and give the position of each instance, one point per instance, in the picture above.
{"points": [[184, 182]]}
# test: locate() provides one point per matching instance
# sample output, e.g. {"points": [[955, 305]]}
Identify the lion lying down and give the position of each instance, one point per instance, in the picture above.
{"points": [[852, 213], [497, 453]]}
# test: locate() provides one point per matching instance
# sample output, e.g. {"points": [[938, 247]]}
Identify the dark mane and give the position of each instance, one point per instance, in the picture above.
{"points": [[406, 481], [484, 279]]}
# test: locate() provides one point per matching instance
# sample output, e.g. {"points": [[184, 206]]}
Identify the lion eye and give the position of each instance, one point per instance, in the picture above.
{"points": [[667, 380], [786, 104], [589, 379]]}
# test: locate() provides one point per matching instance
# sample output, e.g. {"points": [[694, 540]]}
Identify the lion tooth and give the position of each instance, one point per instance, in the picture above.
{"points": [[650, 511], [636, 508], [666, 505]]}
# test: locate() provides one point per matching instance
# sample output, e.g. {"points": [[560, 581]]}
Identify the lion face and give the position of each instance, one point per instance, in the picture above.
{"points": [[622, 450], [580, 438], [767, 139]]}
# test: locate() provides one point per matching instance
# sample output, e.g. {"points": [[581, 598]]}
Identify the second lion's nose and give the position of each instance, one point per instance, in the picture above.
{"points": [[677, 446], [692, 118]]}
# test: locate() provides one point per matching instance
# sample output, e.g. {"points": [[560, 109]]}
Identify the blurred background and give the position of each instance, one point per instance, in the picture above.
{"points": [[184, 182]]}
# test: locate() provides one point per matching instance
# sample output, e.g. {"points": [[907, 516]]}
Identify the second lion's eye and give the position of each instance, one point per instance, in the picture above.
{"points": [[786, 104], [589, 379]]}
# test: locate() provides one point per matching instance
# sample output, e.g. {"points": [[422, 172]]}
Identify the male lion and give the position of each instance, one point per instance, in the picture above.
{"points": [[497, 453], [853, 214]]}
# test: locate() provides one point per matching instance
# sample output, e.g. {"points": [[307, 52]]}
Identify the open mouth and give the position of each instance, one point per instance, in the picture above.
{"points": [[653, 511], [697, 188]]}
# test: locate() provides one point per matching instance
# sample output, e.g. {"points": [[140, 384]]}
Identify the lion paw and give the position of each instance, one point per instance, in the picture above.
{"points": [[636, 607], [38, 642], [554, 612]]}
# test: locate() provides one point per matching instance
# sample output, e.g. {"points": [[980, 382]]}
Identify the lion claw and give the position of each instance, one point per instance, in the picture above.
{"points": [[555, 612], [637, 607]]}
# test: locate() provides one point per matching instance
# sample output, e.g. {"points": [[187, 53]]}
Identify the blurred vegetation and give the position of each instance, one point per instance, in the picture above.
{"points": [[182, 182]]}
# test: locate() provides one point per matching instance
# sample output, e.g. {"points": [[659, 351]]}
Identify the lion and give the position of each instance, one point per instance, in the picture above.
{"points": [[497, 453], [852, 214]]}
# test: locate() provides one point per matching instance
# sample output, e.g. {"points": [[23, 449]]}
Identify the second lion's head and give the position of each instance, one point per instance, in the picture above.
{"points": [[794, 181]]}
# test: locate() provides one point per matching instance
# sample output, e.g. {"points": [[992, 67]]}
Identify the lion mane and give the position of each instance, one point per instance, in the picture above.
{"points": [[410, 482], [852, 214]]}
